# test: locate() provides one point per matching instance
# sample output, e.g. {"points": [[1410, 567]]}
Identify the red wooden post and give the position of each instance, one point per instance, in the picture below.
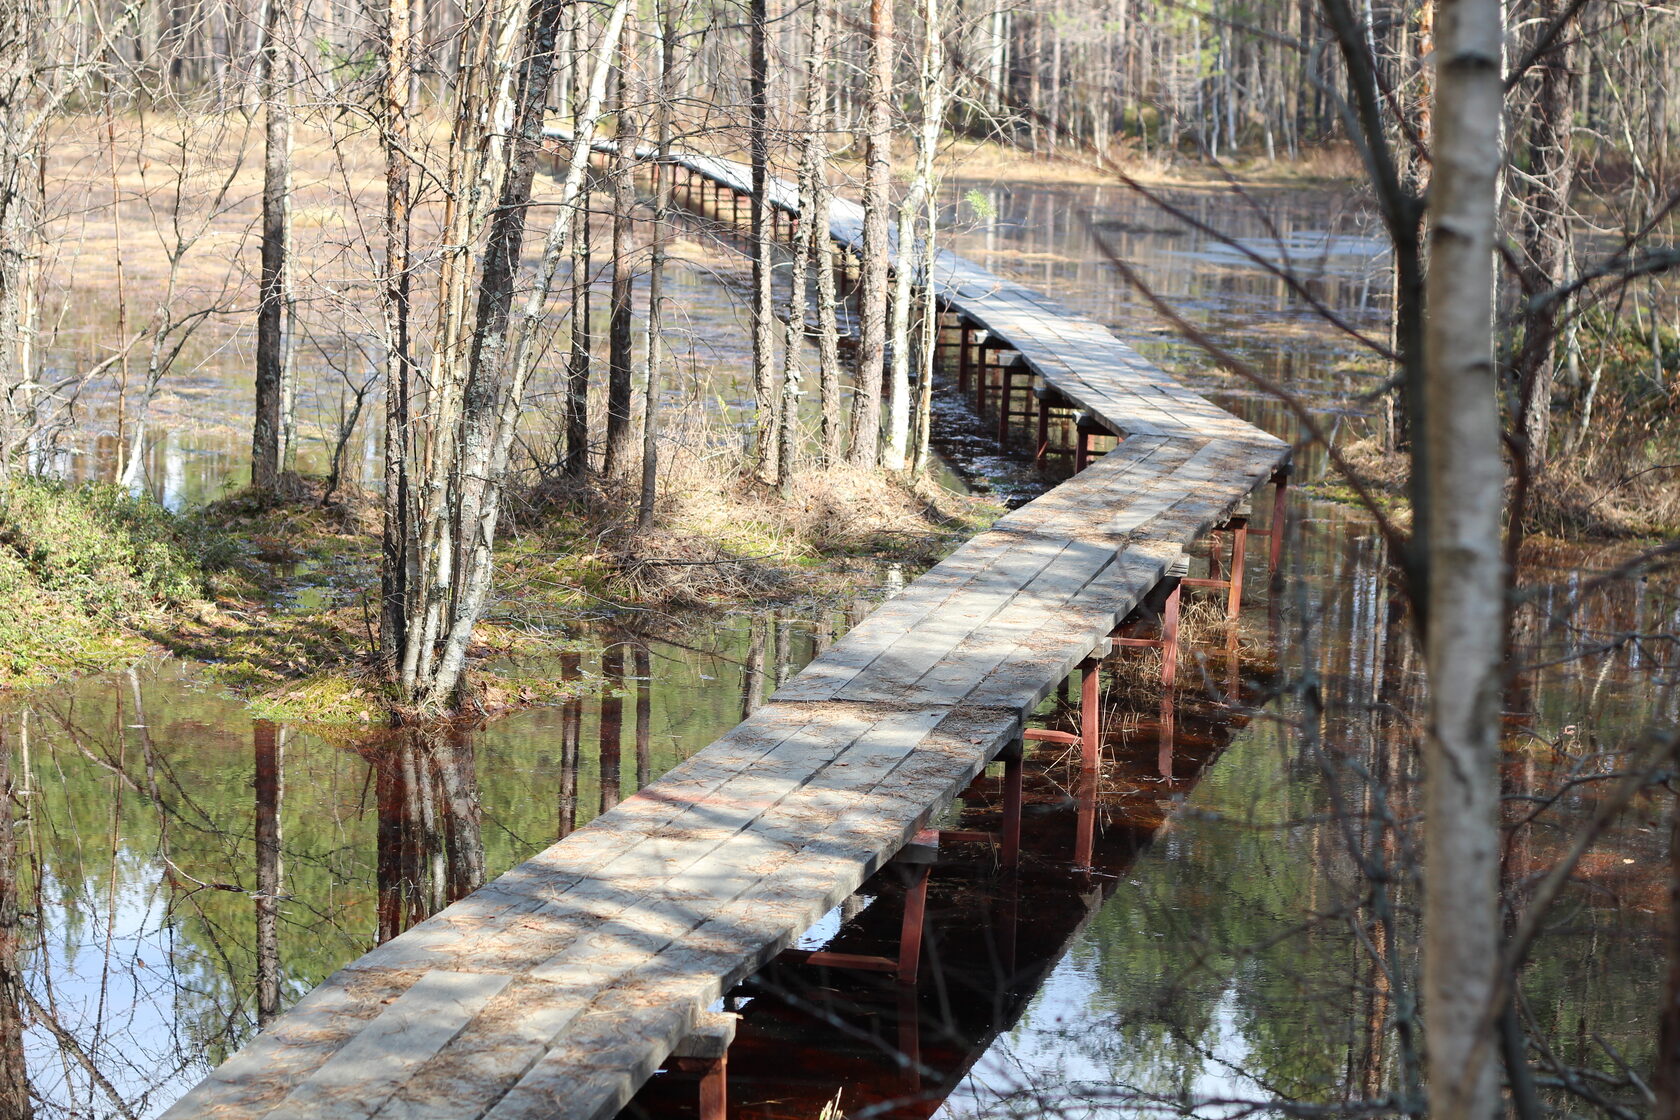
{"points": [[1006, 390], [714, 1090], [1090, 711], [962, 356], [1280, 514], [1042, 447], [1169, 639], [910, 933], [1084, 434], [1239, 554]]}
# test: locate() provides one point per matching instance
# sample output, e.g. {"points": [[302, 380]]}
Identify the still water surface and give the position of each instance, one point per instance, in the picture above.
{"points": [[1188, 925]]}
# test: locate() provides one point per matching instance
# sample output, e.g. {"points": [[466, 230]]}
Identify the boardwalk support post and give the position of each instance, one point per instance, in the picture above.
{"points": [[1167, 643], [1280, 513], [1169, 638], [1085, 431], [915, 919], [964, 334], [706, 1052], [1041, 445], [918, 856], [1090, 712], [1231, 584]]}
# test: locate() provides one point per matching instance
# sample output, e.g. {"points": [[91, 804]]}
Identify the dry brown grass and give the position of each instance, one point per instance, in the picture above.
{"points": [[722, 537], [1617, 485], [1326, 163], [1603, 495]]}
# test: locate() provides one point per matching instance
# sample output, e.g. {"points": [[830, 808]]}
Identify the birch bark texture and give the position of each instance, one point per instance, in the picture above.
{"points": [[276, 236], [399, 365], [1464, 643], [763, 312], [877, 200], [815, 219], [621, 317]]}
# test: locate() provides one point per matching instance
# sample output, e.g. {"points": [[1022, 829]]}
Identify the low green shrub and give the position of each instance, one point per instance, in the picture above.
{"points": [[81, 564]]}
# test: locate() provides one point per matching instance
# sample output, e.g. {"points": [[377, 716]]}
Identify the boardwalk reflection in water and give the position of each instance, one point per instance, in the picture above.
{"points": [[812, 1038]]}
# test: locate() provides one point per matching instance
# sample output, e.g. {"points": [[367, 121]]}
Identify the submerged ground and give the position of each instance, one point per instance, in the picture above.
{"points": [[1212, 945]]}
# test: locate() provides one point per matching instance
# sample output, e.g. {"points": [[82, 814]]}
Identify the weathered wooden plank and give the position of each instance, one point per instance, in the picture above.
{"points": [[254, 1080], [687, 955], [363, 1074], [656, 1007]]}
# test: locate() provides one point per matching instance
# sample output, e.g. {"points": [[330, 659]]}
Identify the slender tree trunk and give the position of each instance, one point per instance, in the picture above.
{"points": [[269, 785], [665, 178], [271, 291], [877, 201], [915, 210], [921, 443], [896, 447], [122, 285], [16, 1102], [399, 363], [1546, 237], [763, 313], [815, 218], [20, 215], [620, 356], [576, 418], [1465, 633], [788, 441]]}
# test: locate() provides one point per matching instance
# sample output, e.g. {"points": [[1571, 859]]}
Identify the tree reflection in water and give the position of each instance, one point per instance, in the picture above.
{"points": [[431, 844], [14, 1073]]}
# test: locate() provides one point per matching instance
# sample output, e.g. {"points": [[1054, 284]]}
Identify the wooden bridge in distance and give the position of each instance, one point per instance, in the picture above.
{"points": [[555, 991]]}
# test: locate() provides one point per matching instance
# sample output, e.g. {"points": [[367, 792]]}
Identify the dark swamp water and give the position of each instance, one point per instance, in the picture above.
{"points": [[1187, 933]]}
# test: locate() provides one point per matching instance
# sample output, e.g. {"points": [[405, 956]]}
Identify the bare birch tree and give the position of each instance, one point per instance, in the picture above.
{"points": [[1464, 642], [272, 301], [910, 393], [395, 289], [664, 184], [575, 410], [763, 313], [877, 200], [814, 217], [620, 352], [1545, 210], [483, 359]]}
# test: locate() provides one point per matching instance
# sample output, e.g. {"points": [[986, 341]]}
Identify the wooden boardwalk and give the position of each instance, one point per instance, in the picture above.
{"points": [[556, 990]]}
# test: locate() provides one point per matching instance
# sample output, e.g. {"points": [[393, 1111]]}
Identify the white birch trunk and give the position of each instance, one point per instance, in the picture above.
{"points": [[1464, 641]]}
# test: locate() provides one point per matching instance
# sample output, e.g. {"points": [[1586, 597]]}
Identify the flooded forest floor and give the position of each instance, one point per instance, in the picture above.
{"points": [[1197, 925]]}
